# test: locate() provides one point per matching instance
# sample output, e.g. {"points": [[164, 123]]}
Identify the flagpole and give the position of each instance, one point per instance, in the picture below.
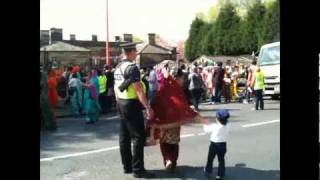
{"points": [[107, 41]]}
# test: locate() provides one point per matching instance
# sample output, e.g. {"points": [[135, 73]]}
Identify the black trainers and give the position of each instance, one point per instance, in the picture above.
{"points": [[143, 174], [127, 171]]}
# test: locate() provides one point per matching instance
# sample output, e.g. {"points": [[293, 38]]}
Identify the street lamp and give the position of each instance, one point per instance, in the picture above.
{"points": [[107, 41]]}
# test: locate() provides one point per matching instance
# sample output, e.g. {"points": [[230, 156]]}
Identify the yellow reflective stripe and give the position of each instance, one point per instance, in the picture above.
{"points": [[130, 93], [102, 83], [259, 80]]}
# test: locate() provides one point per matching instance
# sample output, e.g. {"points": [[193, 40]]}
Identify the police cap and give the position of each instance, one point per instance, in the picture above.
{"points": [[129, 46]]}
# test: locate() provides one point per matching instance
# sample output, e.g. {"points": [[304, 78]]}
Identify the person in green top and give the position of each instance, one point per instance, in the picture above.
{"points": [[102, 91], [258, 86]]}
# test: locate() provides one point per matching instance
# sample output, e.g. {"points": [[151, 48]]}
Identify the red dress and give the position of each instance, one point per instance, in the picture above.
{"points": [[52, 91], [170, 107]]}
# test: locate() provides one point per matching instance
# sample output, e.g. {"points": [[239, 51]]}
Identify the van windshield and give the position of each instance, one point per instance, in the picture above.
{"points": [[270, 56]]}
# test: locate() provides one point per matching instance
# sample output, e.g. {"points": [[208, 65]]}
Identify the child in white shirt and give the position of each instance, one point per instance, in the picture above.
{"points": [[218, 143]]}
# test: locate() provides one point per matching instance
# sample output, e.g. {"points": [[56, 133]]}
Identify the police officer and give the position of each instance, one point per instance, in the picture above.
{"points": [[131, 100]]}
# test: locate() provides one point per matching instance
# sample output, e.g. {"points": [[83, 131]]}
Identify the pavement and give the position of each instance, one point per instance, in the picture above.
{"points": [[77, 151]]}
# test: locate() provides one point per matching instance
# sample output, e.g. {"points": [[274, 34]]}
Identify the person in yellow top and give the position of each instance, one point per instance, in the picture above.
{"points": [[102, 91], [258, 86], [131, 99]]}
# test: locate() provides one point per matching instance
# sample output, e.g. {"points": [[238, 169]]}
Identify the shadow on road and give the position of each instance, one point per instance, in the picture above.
{"points": [[75, 130], [239, 172]]}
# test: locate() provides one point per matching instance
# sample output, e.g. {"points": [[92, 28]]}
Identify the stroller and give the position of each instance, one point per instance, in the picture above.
{"points": [[242, 89]]}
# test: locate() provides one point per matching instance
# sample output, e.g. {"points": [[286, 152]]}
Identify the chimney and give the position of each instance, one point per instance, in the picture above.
{"points": [[127, 37], [94, 38], [72, 37], [117, 38], [152, 38], [174, 53], [45, 37], [56, 34], [174, 50]]}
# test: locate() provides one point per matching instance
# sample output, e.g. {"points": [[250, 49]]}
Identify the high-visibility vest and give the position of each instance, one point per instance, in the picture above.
{"points": [[259, 81], [129, 93], [102, 83]]}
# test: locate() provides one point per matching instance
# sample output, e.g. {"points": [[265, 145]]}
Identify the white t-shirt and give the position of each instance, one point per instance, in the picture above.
{"points": [[219, 132], [73, 82], [227, 80]]}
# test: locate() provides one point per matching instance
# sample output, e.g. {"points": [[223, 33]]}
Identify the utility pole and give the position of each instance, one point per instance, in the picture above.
{"points": [[107, 41]]}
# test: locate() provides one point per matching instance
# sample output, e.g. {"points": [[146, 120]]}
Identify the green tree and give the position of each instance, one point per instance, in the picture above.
{"points": [[213, 13], [203, 39], [136, 39], [271, 24], [192, 43], [225, 35], [252, 27]]}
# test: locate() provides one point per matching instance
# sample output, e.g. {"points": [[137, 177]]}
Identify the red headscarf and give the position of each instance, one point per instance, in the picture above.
{"points": [[76, 69]]}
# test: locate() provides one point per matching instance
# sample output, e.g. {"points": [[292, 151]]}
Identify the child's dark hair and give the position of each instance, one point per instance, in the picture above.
{"points": [[223, 121]]}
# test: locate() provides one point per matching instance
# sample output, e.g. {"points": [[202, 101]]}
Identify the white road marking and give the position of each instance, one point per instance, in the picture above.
{"points": [[261, 123], [95, 151], [201, 134], [79, 154], [112, 117], [117, 147], [186, 135]]}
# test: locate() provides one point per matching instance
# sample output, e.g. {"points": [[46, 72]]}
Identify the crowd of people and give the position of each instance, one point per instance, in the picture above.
{"points": [[153, 103], [88, 94]]}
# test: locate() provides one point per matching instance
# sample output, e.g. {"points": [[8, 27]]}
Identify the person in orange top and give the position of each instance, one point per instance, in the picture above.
{"points": [[52, 89]]}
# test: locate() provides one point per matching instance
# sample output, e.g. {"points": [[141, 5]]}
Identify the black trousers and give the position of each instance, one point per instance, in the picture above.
{"points": [[103, 101], [259, 99], [217, 92], [219, 149], [196, 95], [131, 128], [227, 93]]}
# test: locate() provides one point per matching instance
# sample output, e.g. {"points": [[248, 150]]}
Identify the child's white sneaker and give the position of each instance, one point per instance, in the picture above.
{"points": [[219, 178], [168, 165]]}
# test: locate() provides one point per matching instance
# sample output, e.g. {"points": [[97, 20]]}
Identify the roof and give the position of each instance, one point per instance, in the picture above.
{"points": [[61, 46], [89, 43], [241, 58], [146, 48]]}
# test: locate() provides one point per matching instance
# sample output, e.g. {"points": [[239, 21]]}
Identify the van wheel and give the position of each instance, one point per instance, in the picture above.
{"points": [[275, 97]]}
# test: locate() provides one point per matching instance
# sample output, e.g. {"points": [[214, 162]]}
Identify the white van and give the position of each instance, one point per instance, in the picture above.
{"points": [[269, 62]]}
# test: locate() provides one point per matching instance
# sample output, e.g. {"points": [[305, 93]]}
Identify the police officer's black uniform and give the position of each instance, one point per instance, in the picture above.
{"points": [[132, 120]]}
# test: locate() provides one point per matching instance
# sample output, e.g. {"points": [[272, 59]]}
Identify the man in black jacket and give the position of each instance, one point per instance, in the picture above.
{"points": [[218, 75]]}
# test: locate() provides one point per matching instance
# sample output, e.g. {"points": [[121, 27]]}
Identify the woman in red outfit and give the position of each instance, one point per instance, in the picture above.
{"points": [[52, 89], [171, 110]]}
